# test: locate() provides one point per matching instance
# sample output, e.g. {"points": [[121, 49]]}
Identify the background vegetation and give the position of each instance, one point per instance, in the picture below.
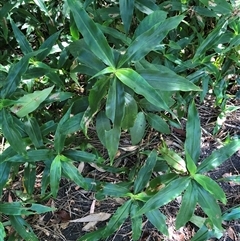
{"points": [[115, 69]]}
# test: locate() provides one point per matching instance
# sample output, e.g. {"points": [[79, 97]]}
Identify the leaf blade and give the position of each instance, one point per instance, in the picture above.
{"points": [[92, 35]]}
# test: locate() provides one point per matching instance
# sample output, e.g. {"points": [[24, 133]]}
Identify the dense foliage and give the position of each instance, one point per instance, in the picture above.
{"points": [[119, 67]]}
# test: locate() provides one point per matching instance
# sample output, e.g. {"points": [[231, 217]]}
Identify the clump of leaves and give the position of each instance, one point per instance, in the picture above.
{"points": [[142, 63], [187, 179]]}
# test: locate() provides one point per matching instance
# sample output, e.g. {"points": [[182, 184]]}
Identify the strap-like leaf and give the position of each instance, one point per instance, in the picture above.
{"points": [[112, 141], [11, 132], [126, 12], [158, 220], [5, 168], [14, 76], [165, 195], [131, 110], [209, 205], [102, 125], [2, 232], [148, 40], [115, 104], [188, 205], [55, 175], [73, 174], [91, 33], [145, 173], [23, 228], [96, 95], [60, 136], [156, 17], [47, 46], [167, 80], [30, 102], [136, 221], [117, 219], [29, 178], [219, 156], [140, 86], [211, 186], [34, 132], [193, 133], [158, 123], [138, 130], [21, 39]]}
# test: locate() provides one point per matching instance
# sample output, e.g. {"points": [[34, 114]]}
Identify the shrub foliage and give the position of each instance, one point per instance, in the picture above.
{"points": [[119, 67]]}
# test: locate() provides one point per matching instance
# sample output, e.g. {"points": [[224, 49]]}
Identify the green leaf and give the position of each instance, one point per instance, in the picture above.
{"points": [[202, 234], [188, 205], [130, 114], [138, 130], [47, 46], [114, 190], [152, 19], [209, 206], [29, 178], [39, 209], [173, 159], [234, 214], [59, 137], [193, 133], [165, 195], [102, 125], [96, 95], [17, 209], [140, 86], [42, 6], [73, 28], [91, 33], [219, 156], [92, 236], [148, 40], [117, 219], [112, 141], [55, 175], [72, 125], [73, 174], [160, 181], [2, 232], [233, 178], [136, 221], [23, 228], [115, 34], [5, 168], [14, 76], [192, 168], [115, 102], [126, 11], [210, 40], [79, 49], [34, 132], [146, 6], [79, 156], [32, 156], [20, 37], [158, 220], [165, 79], [145, 172], [30, 102], [211, 186], [158, 123], [219, 6], [11, 133]]}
